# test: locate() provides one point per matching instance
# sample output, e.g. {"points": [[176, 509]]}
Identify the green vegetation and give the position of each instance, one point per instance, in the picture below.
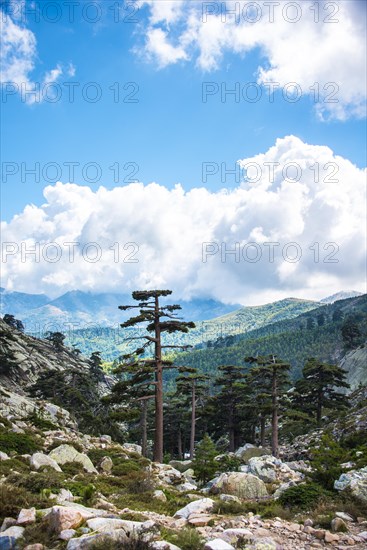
{"points": [[304, 496], [204, 464], [18, 442]]}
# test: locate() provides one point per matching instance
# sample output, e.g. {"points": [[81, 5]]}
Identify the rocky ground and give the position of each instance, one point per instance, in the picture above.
{"points": [[61, 489], [76, 492]]}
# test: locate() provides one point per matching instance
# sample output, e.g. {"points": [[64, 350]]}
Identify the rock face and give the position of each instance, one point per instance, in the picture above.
{"points": [[18, 406], [61, 518], [181, 465], [356, 481], [249, 451], [38, 460], [106, 465], [239, 484], [67, 453], [271, 469], [197, 507], [26, 516], [166, 474], [132, 448]]}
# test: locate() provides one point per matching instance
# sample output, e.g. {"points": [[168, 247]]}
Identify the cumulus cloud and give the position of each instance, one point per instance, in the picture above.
{"points": [[18, 57], [318, 45], [294, 227]]}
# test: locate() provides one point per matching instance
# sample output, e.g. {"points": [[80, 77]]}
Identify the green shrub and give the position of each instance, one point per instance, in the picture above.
{"points": [[13, 499], [37, 482], [205, 466], [186, 539], [304, 496], [72, 468], [326, 461], [124, 468], [39, 533], [14, 464], [20, 443], [139, 482], [40, 422], [228, 463], [131, 543]]}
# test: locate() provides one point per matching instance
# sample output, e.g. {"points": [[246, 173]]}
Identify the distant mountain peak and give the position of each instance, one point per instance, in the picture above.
{"points": [[342, 295]]}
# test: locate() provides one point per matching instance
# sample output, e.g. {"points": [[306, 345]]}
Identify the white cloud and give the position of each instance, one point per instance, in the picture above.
{"points": [[159, 48], [18, 58], [331, 50], [170, 227]]}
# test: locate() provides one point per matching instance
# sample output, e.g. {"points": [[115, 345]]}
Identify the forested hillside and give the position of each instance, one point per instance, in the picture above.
{"points": [[317, 333], [114, 342]]}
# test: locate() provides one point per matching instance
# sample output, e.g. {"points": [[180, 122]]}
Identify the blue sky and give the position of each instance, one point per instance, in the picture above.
{"points": [[168, 134]]}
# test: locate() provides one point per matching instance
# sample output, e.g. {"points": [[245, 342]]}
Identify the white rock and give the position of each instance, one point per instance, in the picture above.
{"points": [[182, 487], [67, 453], [218, 544], [159, 495], [344, 516], [196, 507], [8, 522], [132, 448], [239, 484], [26, 516], [67, 534], [163, 545], [4, 456], [270, 469], [229, 498], [38, 460], [64, 496], [356, 481], [232, 535], [15, 532]]}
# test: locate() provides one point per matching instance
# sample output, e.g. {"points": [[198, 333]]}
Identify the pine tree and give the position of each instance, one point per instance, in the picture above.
{"points": [[229, 399], [191, 385], [13, 322], [95, 362], [317, 390], [56, 339], [351, 333], [274, 375], [158, 320], [205, 465], [134, 392]]}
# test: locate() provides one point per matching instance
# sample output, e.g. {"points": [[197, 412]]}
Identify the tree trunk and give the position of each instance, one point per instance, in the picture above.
{"points": [[144, 409], [262, 430], [193, 421], [179, 444], [158, 438], [231, 431], [274, 420]]}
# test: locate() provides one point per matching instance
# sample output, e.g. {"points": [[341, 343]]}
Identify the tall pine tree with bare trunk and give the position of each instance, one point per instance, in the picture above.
{"points": [[272, 374], [158, 319]]}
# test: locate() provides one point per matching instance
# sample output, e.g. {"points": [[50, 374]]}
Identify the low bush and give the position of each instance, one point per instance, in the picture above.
{"points": [[37, 482], [40, 422], [20, 443], [304, 496], [13, 465], [186, 539], [13, 499], [133, 543]]}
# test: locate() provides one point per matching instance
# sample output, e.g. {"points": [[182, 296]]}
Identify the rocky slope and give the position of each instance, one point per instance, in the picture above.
{"points": [[61, 488]]}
